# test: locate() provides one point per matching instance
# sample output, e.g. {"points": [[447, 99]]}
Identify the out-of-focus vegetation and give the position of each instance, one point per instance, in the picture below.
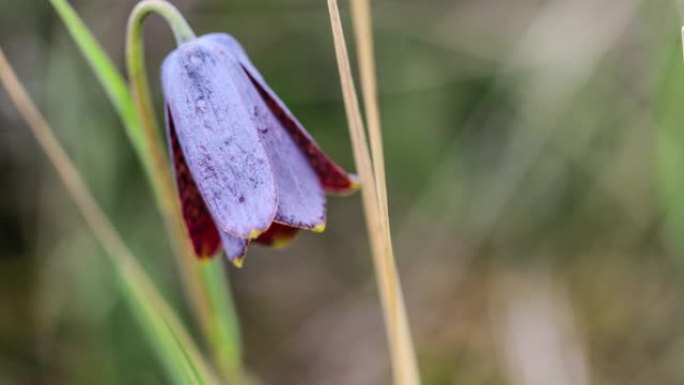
{"points": [[535, 158]]}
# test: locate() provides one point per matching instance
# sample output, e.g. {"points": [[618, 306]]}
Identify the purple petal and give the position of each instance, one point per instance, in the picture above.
{"points": [[301, 197], [205, 237], [333, 178], [219, 139], [301, 200], [234, 248]]}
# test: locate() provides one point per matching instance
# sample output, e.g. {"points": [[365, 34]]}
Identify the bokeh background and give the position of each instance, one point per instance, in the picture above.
{"points": [[535, 156]]}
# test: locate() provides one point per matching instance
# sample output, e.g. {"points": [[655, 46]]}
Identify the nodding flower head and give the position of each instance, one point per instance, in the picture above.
{"points": [[246, 169]]}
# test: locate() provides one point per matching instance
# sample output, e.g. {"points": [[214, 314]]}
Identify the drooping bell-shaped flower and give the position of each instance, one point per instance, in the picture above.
{"points": [[245, 168]]}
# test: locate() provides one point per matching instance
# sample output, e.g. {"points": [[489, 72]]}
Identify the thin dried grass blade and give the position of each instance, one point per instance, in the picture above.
{"points": [[172, 342]]}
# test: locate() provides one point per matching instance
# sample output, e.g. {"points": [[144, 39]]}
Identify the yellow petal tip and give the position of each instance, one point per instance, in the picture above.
{"points": [[238, 262], [281, 243], [319, 228]]}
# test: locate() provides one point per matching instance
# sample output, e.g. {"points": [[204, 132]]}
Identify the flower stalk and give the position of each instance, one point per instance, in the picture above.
{"points": [[206, 281], [374, 195], [225, 331], [146, 144]]}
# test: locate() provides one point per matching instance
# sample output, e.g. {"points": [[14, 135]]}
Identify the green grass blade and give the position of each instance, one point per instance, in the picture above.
{"points": [[180, 356], [225, 330], [670, 142], [171, 341], [110, 78], [223, 334]]}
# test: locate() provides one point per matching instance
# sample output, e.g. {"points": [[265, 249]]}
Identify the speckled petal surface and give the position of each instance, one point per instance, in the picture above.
{"points": [[234, 248], [333, 178], [301, 200], [219, 139]]}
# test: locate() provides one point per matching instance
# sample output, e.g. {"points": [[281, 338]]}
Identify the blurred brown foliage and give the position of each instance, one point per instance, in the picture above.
{"points": [[522, 156]]}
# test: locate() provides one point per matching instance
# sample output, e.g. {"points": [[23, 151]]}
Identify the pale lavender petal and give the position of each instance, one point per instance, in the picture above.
{"points": [[333, 178], [219, 139], [301, 200], [234, 248]]}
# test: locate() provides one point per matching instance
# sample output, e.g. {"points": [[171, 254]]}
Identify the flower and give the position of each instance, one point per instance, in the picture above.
{"points": [[245, 168]]}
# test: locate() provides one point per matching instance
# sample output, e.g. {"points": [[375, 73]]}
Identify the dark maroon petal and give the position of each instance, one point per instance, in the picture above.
{"points": [[219, 139], [277, 235], [201, 228], [333, 178]]}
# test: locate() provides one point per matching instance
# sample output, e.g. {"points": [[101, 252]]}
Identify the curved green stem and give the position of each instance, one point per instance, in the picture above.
{"points": [[208, 283], [225, 330], [154, 155], [151, 151], [210, 298]]}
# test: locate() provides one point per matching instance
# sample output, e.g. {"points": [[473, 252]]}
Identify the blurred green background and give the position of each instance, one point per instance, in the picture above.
{"points": [[535, 156]]}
